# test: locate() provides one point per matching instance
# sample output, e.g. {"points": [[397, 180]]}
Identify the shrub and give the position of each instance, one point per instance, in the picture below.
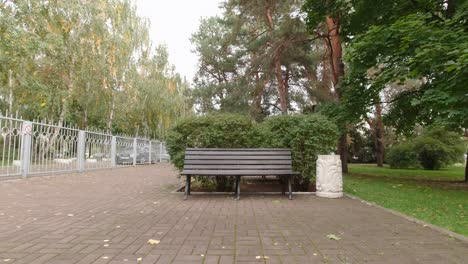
{"points": [[211, 131], [432, 153], [402, 156], [453, 142], [434, 149], [306, 135]]}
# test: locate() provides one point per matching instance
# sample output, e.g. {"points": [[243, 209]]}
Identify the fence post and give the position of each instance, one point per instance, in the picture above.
{"points": [[80, 154], [149, 151], [113, 151], [26, 148], [134, 151], [160, 150]]}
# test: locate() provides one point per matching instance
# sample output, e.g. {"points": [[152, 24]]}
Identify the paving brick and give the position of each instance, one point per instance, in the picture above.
{"points": [[85, 217]]}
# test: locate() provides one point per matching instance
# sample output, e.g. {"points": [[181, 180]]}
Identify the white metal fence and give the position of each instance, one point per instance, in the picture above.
{"points": [[37, 148]]}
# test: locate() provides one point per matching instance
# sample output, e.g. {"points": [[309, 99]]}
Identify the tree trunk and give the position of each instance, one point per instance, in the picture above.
{"points": [[450, 8], [343, 151], [85, 119], [337, 68], [277, 63], [379, 136], [281, 87], [111, 114], [466, 167], [336, 51], [10, 88], [257, 101]]}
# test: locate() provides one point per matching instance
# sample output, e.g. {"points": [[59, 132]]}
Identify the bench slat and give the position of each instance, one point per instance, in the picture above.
{"points": [[237, 172], [235, 162], [237, 153], [239, 167], [239, 149], [239, 157]]}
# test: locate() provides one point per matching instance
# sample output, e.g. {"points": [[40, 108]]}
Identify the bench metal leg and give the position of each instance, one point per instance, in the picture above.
{"points": [[187, 187], [283, 184], [238, 187], [235, 185], [290, 187], [189, 184]]}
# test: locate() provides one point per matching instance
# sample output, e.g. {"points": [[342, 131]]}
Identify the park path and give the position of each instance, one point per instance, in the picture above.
{"points": [[109, 216]]}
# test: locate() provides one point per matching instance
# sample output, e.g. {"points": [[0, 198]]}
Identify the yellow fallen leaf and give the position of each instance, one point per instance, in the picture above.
{"points": [[139, 259], [333, 237], [153, 242], [257, 257]]}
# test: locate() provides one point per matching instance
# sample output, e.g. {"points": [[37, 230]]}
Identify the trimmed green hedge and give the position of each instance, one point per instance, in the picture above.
{"points": [[210, 131], [434, 149], [306, 135], [402, 156]]}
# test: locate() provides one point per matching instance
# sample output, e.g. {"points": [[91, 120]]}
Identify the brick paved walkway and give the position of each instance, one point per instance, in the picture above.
{"points": [[109, 216]]}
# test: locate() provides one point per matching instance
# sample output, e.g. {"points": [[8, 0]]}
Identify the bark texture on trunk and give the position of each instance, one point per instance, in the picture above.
{"points": [[85, 119], [276, 63], [343, 151], [260, 83], [111, 114], [379, 136], [450, 8], [337, 69], [466, 168], [336, 51], [281, 86], [10, 88]]}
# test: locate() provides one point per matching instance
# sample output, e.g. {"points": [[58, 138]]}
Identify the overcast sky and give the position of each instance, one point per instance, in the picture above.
{"points": [[173, 22]]}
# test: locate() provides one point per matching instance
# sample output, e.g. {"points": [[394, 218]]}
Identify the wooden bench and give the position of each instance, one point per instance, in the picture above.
{"points": [[238, 162]]}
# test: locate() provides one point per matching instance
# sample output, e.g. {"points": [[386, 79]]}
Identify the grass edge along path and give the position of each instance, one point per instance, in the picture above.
{"points": [[413, 195]]}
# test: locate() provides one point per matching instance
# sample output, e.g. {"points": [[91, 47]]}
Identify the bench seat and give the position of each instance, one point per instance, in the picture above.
{"points": [[237, 162]]}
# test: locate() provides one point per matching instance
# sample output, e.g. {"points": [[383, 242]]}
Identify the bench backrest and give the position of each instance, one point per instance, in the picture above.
{"points": [[237, 161]]}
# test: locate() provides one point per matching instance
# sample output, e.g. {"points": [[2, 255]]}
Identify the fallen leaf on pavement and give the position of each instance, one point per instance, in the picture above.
{"points": [[153, 242], [333, 237]]}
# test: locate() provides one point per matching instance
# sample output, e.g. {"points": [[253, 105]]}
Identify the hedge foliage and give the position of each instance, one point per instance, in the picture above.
{"points": [[402, 156], [434, 149], [306, 135], [210, 131]]}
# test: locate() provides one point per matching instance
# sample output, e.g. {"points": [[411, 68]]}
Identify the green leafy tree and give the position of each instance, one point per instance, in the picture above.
{"points": [[90, 63], [424, 44]]}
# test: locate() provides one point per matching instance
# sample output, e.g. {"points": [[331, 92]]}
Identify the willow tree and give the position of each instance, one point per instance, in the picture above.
{"points": [[84, 62]]}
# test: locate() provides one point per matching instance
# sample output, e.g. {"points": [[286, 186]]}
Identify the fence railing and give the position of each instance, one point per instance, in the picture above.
{"points": [[37, 148]]}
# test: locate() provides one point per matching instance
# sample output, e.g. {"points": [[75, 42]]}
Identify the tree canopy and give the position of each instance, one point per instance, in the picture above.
{"points": [[90, 63]]}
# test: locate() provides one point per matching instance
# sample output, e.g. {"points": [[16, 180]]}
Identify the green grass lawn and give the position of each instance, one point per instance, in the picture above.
{"points": [[437, 197]]}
